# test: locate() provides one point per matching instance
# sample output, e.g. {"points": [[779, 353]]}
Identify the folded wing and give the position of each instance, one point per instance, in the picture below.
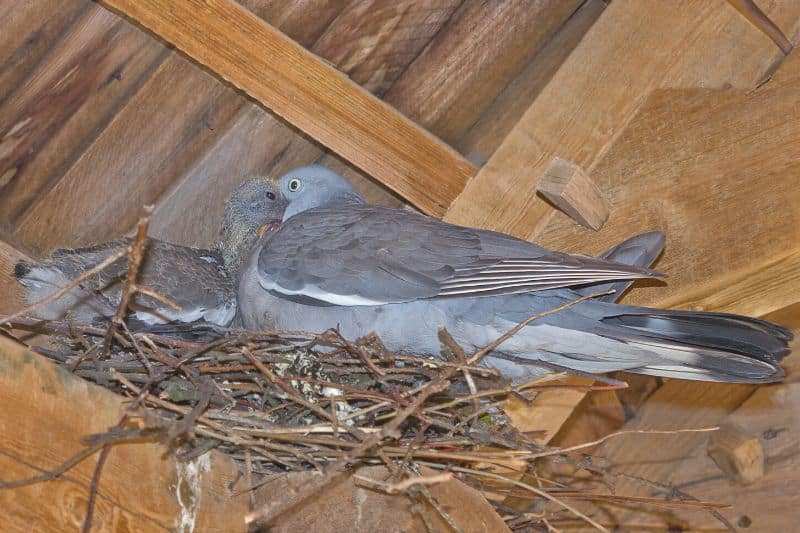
{"points": [[372, 255]]}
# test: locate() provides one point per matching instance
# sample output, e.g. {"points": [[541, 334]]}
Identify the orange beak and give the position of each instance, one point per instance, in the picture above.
{"points": [[269, 226]]}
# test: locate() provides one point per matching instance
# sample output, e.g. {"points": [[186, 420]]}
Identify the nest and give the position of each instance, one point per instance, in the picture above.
{"points": [[283, 401]]}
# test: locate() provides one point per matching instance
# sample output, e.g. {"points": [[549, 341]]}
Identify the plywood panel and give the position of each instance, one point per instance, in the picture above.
{"points": [[475, 56], [75, 91], [30, 29]]}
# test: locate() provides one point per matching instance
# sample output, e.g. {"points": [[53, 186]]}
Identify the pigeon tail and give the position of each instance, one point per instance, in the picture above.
{"points": [[702, 346], [42, 281]]}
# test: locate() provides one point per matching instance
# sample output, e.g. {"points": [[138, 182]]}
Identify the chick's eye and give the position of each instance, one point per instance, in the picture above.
{"points": [[294, 185], [271, 195]]}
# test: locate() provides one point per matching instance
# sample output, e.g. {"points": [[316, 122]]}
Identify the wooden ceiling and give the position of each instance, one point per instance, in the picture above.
{"points": [[98, 117]]}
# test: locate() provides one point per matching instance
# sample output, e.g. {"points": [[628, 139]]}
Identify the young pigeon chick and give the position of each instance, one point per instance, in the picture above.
{"points": [[201, 282], [338, 261]]}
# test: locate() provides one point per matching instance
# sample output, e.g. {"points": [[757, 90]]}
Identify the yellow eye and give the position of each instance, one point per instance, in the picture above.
{"points": [[294, 185]]}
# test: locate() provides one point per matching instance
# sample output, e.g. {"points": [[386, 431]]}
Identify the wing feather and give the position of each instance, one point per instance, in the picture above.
{"points": [[375, 255]]}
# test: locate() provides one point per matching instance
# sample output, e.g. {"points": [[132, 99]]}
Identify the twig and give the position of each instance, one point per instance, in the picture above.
{"points": [[400, 486], [93, 488], [135, 255], [480, 354], [520, 484], [561, 451], [156, 296]]}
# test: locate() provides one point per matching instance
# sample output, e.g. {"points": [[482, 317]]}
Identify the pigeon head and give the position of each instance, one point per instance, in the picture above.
{"points": [[316, 186], [255, 207]]}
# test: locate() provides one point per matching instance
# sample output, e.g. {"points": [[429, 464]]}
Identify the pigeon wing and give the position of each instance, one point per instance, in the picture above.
{"points": [[373, 255]]}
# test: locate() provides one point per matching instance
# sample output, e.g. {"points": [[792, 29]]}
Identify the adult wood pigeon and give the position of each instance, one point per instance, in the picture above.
{"points": [[336, 261]]}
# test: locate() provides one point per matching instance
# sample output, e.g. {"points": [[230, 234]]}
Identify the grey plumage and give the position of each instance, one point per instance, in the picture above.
{"points": [[201, 282], [339, 262], [366, 255]]}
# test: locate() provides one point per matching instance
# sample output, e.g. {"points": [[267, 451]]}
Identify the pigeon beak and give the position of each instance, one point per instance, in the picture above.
{"points": [[266, 228]]}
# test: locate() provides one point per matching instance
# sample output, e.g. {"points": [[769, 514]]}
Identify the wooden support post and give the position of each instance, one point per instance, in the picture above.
{"points": [[310, 94], [737, 453], [567, 186]]}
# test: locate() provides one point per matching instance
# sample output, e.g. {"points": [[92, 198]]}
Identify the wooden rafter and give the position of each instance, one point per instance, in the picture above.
{"points": [[310, 94]]}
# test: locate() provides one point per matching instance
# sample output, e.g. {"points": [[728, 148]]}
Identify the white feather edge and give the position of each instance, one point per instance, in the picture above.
{"points": [[312, 291], [221, 315]]}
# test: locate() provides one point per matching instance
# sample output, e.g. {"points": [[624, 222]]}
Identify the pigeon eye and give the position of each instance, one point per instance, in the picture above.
{"points": [[271, 195], [294, 185]]}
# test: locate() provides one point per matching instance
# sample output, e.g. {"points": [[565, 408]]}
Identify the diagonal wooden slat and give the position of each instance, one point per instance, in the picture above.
{"points": [[308, 93]]}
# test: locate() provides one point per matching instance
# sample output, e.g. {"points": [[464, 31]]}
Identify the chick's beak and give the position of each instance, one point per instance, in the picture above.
{"points": [[266, 228]]}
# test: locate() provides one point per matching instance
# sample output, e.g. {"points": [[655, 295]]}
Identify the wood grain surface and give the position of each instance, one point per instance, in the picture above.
{"points": [[43, 418], [308, 93]]}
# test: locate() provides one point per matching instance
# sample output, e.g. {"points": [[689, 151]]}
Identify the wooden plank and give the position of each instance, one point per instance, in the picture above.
{"points": [[48, 148], [346, 505], [30, 29], [472, 59], [374, 41], [255, 57], [477, 61], [479, 64], [763, 289], [302, 20], [72, 95], [497, 120], [44, 417]]}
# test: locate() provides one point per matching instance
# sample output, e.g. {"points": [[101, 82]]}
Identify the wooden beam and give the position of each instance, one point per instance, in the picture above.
{"points": [[46, 410], [258, 142], [570, 189], [311, 95]]}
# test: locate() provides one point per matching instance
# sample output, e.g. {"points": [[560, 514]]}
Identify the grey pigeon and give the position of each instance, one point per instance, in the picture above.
{"points": [[201, 282], [336, 261]]}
